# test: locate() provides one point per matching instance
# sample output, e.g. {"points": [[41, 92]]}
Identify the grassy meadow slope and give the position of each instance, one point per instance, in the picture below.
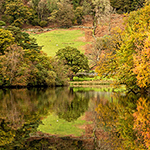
{"points": [[60, 38]]}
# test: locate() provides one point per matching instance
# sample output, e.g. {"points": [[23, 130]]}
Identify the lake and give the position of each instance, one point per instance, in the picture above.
{"points": [[73, 118]]}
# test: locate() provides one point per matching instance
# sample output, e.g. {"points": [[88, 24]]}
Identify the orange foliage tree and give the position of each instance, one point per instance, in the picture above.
{"points": [[142, 64], [128, 58]]}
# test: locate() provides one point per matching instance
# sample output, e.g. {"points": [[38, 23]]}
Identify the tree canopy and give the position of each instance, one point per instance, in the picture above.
{"points": [[22, 63], [126, 6], [128, 55], [62, 13], [73, 59]]}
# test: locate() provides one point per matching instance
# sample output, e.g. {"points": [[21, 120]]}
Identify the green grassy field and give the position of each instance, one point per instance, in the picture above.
{"points": [[60, 38], [53, 125]]}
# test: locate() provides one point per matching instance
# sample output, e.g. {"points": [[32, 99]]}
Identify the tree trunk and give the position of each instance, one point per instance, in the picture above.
{"points": [[71, 77]]}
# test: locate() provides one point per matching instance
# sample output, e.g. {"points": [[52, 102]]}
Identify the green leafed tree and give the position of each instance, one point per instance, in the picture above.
{"points": [[73, 59], [23, 39]]}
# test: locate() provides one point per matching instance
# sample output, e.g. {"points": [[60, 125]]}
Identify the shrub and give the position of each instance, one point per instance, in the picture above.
{"points": [[7, 18], [18, 22], [35, 22], [43, 23], [2, 23]]}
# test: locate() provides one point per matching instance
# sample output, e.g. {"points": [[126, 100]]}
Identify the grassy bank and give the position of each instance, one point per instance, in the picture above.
{"points": [[60, 38], [95, 82], [91, 81]]}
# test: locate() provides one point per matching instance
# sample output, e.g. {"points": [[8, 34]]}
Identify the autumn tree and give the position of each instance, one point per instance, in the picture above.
{"points": [[142, 65], [11, 64], [2, 2], [23, 39], [28, 67], [73, 59], [123, 6], [129, 50], [40, 67], [105, 50], [52, 5], [78, 15], [16, 13], [64, 16], [137, 29], [40, 6], [6, 38], [102, 12], [23, 64], [99, 48], [61, 72]]}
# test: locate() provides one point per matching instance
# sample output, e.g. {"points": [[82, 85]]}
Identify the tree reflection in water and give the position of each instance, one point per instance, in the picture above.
{"points": [[71, 107], [21, 111], [126, 122], [121, 121]]}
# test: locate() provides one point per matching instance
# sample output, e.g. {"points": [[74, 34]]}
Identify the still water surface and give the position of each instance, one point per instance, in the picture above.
{"points": [[72, 118]]}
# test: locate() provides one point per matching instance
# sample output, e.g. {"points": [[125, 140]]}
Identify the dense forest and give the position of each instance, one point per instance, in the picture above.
{"points": [[123, 54], [64, 12]]}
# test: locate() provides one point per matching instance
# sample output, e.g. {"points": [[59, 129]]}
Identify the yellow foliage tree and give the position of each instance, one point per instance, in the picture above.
{"points": [[129, 57], [142, 65]]}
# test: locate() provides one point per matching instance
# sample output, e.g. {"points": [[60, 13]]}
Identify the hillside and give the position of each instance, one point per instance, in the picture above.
{"points": [[86, 27]]}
